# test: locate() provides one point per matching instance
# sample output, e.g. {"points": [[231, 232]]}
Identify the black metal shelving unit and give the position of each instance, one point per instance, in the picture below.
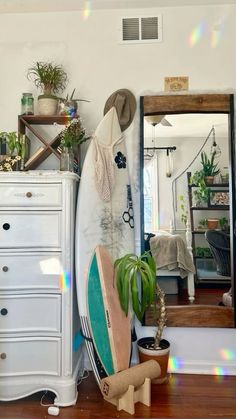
{"points": [[205, 269]]}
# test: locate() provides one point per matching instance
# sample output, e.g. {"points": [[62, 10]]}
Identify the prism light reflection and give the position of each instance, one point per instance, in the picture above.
{"points": [[65, 281], [175, 364], [87, 9], [228, 354], [197, 34], [217, 35]]}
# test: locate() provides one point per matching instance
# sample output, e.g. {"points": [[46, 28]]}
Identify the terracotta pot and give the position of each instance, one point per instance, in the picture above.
{"points": [[209, 180], [212, 223], [161, 355]]}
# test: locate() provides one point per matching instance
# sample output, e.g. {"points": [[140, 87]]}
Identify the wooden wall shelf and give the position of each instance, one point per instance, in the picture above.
{"points": [[46, 147]]}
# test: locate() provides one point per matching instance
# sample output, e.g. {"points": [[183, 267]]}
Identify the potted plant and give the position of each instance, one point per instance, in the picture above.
{"points": [[202, 191], [202, 224], [209, 167], [69, 106], [17, 149], [51, 79], [138, 290], [224, 224], [71, 138], [212, 223], [202, 252]]}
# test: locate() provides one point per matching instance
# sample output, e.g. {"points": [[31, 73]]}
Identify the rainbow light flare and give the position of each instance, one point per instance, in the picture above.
{"points": [[175, 364], [217, 35], [197, 33], [65, 281], [68, 113], [228, 354], [219, 373], [87, 9], [175, 380]]}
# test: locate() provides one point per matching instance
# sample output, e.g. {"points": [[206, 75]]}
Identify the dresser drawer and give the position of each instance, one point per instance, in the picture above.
{"points": [[27, 356], [30, 229], [30, 195], [29, 271], [31, 313]]}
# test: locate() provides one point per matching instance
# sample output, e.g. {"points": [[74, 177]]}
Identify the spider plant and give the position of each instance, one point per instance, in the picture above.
{"points": [[49, 77]]}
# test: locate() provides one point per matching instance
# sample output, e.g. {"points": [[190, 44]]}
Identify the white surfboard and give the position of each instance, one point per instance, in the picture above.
{"points": [[99, 221]]}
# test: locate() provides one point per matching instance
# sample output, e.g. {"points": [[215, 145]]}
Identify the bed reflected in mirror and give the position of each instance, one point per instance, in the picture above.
{"points": [[183, 141]]}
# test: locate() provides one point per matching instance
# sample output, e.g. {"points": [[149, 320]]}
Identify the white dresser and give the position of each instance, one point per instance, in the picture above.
{"points": [[40, 343]]}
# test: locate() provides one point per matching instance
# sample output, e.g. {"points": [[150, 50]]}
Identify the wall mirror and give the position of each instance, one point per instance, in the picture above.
{"points": [[183, 216]]}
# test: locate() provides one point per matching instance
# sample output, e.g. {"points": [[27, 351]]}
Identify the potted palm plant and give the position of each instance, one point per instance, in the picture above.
{"points": [[138, 290], [51, 79]]}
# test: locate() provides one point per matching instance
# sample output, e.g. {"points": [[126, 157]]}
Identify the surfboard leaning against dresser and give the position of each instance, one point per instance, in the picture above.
{"points": [[104, 217]]}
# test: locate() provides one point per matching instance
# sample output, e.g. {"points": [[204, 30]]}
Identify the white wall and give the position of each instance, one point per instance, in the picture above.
{"points": [[171, 188], [98, 65]]}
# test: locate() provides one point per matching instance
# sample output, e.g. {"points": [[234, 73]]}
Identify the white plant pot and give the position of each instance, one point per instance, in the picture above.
{"points": [[47, 106]]}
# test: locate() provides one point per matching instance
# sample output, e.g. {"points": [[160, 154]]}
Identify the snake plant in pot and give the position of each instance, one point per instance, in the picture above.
{"points": [[209, 167], [138, 290]]}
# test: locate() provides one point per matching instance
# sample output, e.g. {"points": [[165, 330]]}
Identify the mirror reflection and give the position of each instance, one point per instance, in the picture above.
{"points": [[186, 206]]}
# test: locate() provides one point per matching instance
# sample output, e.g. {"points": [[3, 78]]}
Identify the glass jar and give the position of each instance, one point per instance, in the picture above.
{"points": [[27, 104], [67, 159]]}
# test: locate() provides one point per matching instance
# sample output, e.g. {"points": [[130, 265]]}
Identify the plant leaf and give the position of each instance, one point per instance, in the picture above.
{"points": [[135, 296]]}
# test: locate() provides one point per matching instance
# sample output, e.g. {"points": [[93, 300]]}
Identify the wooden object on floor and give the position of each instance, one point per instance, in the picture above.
{"points": [[130, 386], [127, 401]]}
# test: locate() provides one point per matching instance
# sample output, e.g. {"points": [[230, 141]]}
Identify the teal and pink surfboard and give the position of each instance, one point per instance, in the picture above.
{"points": [[110, 328]]}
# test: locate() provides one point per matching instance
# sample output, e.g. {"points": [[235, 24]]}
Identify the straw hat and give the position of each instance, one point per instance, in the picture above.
{"points": [[125, 103]]}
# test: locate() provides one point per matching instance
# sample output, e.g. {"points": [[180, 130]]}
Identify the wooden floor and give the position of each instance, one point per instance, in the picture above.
{"points": [[211, 296], [183, 396]]}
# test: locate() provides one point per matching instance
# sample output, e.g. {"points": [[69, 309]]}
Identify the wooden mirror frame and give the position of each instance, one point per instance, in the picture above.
{"points": [[195, 315]]}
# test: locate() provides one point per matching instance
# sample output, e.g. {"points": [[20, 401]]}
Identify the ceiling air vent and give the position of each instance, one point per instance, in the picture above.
{"points": [[141, 29]]}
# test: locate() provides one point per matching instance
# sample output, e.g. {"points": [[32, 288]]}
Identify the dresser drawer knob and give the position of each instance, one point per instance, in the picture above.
{"points": [[28, 194], [3, 355], [5, 268], [6, 226], [4, 311]]}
